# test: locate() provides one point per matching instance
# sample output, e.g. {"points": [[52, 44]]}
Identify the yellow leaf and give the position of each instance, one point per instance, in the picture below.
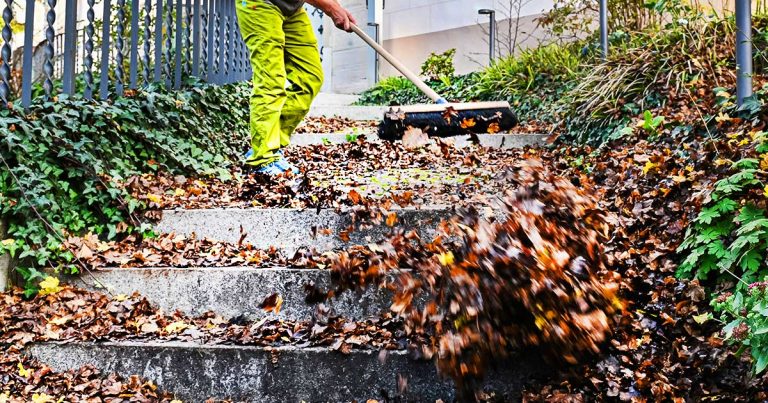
{"points": [[180, 192], [649, 166], [176, 327], [446, 259], [60, 321], [723, 94], [723, 117], [8, 242], [4, 397], [23, 372], [176, 401], [468, 123], [49, 286], [42, 398], [121, 297], [154, 198], [765, 191]]}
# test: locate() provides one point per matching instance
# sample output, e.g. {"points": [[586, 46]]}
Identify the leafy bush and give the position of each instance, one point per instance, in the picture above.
{"points": [[730, 235], [392, 91], [67, 162], [745, 314], [648, 70], [400, 91], [533, 81], [439, 66]]}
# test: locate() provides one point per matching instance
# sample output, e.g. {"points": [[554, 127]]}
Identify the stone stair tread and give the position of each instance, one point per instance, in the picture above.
{"points": [[502, 141], [234, 291], [291, 229], [197, 372]]}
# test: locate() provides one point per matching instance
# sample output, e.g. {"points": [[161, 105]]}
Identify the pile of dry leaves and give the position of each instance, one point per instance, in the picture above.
{"points": [[536, 277], [70, 314], [25, 380], [437, 174]]}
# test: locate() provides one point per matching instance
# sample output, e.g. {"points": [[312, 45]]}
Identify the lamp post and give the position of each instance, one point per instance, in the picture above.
{"points": [[492, 16], [743, 50]]}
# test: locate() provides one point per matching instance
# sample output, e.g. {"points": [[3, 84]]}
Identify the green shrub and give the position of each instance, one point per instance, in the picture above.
{"points": [[644, 72], [745, 315], [730, 235], [392, 91], [67, 162], [439, 66], [532, 81]]}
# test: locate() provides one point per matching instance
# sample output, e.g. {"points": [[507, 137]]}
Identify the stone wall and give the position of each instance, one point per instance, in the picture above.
{"points": [[5, 261]]}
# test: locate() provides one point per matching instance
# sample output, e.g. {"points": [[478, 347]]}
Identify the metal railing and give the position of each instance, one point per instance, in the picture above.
{"points": [[141, 42]]}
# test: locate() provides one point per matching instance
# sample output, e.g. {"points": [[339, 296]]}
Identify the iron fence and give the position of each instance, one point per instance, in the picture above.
{"points": [[140, 42]]}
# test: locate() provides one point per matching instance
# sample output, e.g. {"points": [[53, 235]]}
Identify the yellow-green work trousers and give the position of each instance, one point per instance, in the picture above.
{"points": [[287, 74]]}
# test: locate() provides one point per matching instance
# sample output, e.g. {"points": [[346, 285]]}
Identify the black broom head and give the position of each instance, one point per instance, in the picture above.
{"points": [[446, 120]]}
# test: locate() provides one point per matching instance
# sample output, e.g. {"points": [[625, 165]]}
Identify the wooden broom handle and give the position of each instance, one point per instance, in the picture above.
{"points": [[418, 82]]}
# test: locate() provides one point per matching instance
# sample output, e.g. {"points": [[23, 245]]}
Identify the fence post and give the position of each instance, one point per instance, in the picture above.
{"points": [[604, 28], [168, 44], [5, 53], [70, 47], [88, 48], [120, 48], [179, 39], [50, 33], [743, 50], [204, 17], [105, 39], [158, 40], [134, 63], [26, 79], [147, 39]]}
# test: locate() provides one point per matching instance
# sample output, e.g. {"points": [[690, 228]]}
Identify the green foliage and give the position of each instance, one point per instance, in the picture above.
{"points": [[69, 161], [438, 67], [392, 91], [745, 315], [571, 18], [730, 235], [532, 82]]}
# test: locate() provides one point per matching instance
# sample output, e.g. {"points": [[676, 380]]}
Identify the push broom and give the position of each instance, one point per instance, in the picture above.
{"points": [[443, 119]]}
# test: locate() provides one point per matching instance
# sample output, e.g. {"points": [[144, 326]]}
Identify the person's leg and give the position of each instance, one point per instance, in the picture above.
{"points": [[261, 25], [304, 69]]}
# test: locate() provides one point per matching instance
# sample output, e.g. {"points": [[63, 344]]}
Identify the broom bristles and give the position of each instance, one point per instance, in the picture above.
{"points": [[449, 119]]}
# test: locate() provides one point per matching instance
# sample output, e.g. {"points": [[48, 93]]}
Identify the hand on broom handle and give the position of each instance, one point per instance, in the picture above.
{"points": [[418, 82]]}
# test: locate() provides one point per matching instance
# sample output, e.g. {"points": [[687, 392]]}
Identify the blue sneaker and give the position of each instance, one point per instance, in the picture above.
{"points": [[271, 169], [286, 166]]}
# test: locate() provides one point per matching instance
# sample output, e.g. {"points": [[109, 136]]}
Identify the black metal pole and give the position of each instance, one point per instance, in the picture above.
{"points": [[604, 27], [492, 28]]}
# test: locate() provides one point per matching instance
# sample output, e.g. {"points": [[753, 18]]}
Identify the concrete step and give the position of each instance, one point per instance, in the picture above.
{"points": [[349, 112], [234, 291], [291, 229], [502, 141], [197, 372]]}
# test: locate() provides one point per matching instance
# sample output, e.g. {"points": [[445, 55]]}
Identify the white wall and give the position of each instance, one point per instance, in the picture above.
{"points": [[403, 18]]}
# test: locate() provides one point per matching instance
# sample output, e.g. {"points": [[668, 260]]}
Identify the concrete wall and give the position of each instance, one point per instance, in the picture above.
{"points": [[411, 30]]}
